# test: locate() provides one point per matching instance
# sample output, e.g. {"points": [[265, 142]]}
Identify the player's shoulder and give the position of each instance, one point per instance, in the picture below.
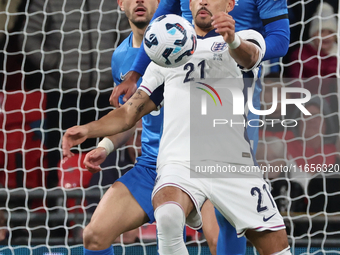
{"points": [[123, 47], [153, 70], [276, 3], [271, 8], [173, 2]]}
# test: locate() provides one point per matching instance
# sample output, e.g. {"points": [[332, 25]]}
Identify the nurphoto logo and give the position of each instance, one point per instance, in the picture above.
{"points": [[240, 107]]}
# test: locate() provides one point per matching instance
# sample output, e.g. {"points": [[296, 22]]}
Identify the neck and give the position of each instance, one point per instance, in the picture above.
{"points": [[137, 35], [202, 32]]}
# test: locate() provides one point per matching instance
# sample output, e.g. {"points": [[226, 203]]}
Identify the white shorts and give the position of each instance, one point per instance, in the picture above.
{"points": [[245, 202]]}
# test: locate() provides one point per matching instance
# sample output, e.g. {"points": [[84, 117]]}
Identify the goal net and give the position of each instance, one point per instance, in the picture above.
{"points": [[55, 73]]}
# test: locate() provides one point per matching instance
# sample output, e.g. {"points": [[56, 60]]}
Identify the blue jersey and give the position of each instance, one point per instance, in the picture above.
{"points": [[121, 62], [254, 14]]}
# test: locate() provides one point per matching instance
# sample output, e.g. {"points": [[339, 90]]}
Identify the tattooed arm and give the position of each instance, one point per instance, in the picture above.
{"points": [[116, 121]]}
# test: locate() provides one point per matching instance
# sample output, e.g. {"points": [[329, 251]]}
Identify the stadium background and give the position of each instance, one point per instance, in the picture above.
{"points": [[45, 207]]}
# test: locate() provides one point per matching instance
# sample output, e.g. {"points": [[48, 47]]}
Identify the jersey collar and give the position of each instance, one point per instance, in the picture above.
{"points": [[212, 33]]}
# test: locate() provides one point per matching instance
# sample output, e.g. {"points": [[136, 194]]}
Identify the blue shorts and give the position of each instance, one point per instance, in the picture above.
{"points": [[140, 181]]}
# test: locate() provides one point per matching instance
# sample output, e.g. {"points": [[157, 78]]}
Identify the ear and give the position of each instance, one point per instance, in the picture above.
{"points": [[120, 3], [230, 5]]}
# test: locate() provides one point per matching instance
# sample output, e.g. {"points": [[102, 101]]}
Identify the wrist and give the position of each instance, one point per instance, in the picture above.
{"points": [[236, 43], [107, 144]]}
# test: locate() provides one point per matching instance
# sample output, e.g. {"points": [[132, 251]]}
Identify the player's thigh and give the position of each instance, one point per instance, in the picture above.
{"points": [[210, 225], [268, 242], [172, 193], [117, 212]]}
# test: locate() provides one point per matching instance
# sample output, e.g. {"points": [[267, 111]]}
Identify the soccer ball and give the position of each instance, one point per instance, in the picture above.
{"points": [[170, 40]]}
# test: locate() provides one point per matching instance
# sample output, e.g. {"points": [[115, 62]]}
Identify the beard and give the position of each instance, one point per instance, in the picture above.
{"points": [[140, 24], [202, 23]]}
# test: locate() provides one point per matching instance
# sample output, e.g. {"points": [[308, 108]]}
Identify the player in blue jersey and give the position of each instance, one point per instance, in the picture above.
{"points": [[128, 201], [270, 18]]}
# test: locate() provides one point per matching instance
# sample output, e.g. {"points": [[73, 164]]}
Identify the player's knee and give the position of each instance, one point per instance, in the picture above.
{"points": [[212, 243], [92, 238], [170, 220], [88, 237]]}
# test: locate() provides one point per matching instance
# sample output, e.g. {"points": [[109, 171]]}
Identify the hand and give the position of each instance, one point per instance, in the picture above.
{"points": [[73, 136], [94, 158], [127, 88], [225, 26]]}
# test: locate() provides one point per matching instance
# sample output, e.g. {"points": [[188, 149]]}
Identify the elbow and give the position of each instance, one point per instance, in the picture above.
{"points": [[130, 121], [252, 61]]}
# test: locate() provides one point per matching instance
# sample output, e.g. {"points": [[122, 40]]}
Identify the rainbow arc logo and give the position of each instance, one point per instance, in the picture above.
{"points": [[204, 98]]}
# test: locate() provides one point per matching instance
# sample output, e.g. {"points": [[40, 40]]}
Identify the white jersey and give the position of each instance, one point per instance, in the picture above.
{"points": [[211, 60]]}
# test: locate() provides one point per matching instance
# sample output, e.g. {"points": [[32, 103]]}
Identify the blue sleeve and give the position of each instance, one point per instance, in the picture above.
{"points": [[271, 8], [165, 7], [277, 36], [168, 7], [274, 16], [141, 62]]}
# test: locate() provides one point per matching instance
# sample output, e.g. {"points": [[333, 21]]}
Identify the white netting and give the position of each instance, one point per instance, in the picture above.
{"points": [[55, 73], [309, 201]]}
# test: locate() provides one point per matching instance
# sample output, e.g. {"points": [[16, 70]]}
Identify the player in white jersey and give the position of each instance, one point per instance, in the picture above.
{"points": [[177, 196], [270, 18]]}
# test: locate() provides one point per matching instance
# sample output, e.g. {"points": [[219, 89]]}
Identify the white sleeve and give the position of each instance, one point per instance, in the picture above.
{"points": [[258, 40], [153, 83]]}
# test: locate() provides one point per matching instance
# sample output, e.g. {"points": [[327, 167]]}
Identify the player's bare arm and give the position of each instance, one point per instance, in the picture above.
{"points": [[97, 156], [118, 140], [126, 88], [116, 121], [246, 54]]}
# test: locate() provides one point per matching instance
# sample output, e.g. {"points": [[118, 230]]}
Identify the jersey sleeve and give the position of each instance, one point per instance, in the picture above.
{"points": [[272, 9], [168, 7], [153, 84], [274, 16], [258, 40], [277, 38]]}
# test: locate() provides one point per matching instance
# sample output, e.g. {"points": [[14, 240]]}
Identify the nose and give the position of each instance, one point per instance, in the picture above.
{"points": [[203, 2], [140, 1]]}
